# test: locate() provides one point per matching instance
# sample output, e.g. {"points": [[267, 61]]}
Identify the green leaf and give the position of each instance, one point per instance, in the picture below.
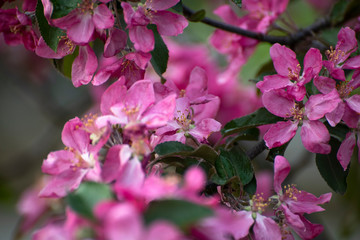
{"points": [[205, 152], [50, 34], [277, 151], [197, 16], [251, 134], [84, 199], [331, 170], [179, 212], [179, 149], [178, 7], [233, 163], [62, 8], [338, 11], [250, 188], [344, 10], [160, 54], [237, 2], [258, 118], [172, 147]]}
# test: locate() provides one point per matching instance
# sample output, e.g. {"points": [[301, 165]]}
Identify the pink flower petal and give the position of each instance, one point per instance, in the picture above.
{"points": [[160, 5], [352, 63], [266, 229], [280, 133], [74, 136], [115, 42], [141, 59], [103, 17], [114, 94], [335, 116], [84, 66], [310, 231], [315, 137], [60, 185], [318, 105], [168, 23], [140, 95], [351, 118], [346, 150], [271, 82], [80, 27], [278, 104], [281, 171], [292, 219], [347, 42], [284, 60], [324, 84], [313, 61], [354, 103], [197, 83], [112, 163], [162, 230], [195, 180], [58, 162], [142, 38], [204, 128], [160, 113], [307, 203]]}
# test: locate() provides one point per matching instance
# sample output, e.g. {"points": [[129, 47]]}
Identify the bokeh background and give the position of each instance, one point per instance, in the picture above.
{"points": [[36, 100]]}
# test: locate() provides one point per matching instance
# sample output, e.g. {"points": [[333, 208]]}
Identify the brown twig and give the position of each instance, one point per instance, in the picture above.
{"points": [[289, 40]]}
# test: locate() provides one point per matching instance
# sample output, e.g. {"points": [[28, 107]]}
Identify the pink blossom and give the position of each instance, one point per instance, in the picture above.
{"points": [[185, 122], [314, 134], [152, 12], [288, 69], [137, 108], [223, 224], [236, 47], [17, 29], [65, 47], [236, 99], [344, 88], [346, 45], [81, 23], [266, 11], [124, 221], [132, 66], [294, 203], [70, 166]]}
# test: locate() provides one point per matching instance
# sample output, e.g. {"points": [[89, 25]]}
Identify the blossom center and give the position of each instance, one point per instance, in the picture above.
{"points": [[334, 54], [294, 73], [86, 6], [258, 203], [184, 119], [297, 112], [131, 112], [67, 42], [291, 192], [343, 89]]}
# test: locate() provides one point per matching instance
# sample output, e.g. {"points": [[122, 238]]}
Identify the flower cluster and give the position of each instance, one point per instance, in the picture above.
{"points": [[285, 95], [146, 165]]}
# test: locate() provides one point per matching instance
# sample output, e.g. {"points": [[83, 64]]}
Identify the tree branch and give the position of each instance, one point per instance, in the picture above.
{"points": [[289, 40], [256, 150]]}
